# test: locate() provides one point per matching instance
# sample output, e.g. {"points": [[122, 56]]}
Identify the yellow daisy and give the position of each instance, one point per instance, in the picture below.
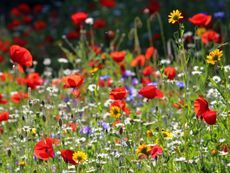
{"points": [[115, 112], [175, 16], [143, 149], [79, 157], [149, 133], [200, 31], [214, 56]]}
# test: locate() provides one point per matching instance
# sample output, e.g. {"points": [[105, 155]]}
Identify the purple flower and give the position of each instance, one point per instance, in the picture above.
{"points": [[180, 84], [66, 99], [219, 14], [104, 77], [135, 81], [86, 130], [153, 83], [104, 125]]}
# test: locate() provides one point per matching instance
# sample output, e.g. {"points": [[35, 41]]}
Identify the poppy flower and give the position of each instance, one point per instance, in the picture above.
{"points": [[72, 81], [13, 24], [148, 70], [18, 96], [210, 36], [72, 35], [34, 80], [67, 156], [138, 61], [118, 93], [37, 8], [154, 6], [151, 92], [210, 117], [44, 149], [145, 81], [27, 19], [24, 8], [150, 52], [39, 25], [15, 12], [200, 19], [200, 106], [1, 58], [170, 72], [4, 116], [19, 41], [118, 56], [21, 55], [202, 111], [79, 17], [99, 24], [2, 101], [155, 151], [108, 3]]}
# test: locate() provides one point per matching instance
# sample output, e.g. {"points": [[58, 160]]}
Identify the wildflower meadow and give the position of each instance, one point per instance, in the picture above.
{"points": [[112, 86]]}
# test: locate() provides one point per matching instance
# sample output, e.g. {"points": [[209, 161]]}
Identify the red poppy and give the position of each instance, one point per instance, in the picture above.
{"points": [[150, 52], [34, 80], [138, 61], [155, 151], [99, 23], [72, 81], [24, 8], [15, 12], [73, 35], [44, 149], [200, 106], [154, 6], [151, 92], [19, 41], [27, 19], [210, 36], [170, 72], [2, 101], [145, 81], [37, 8], [108, 3], [105, 82], [210, 117], [67, 156], [18, 96], [39, 25], [118, 56], [13, 24], [118, 93], [4, 116], [148, 70], [21, 55], [200, 19], [202, 111], [1, 58], [79, 17]]}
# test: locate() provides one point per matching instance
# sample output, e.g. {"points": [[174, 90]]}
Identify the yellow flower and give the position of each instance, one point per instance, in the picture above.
{"points": [[115, 112], [143, 149], [166, 134], [22, 163], [79, 157], [175, 16], [200, 31], [149, 133], [94, 70], [34, 131], [214, 56]]}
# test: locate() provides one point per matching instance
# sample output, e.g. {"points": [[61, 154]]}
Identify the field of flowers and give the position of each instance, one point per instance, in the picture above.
{"points": [[108, 86]]}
